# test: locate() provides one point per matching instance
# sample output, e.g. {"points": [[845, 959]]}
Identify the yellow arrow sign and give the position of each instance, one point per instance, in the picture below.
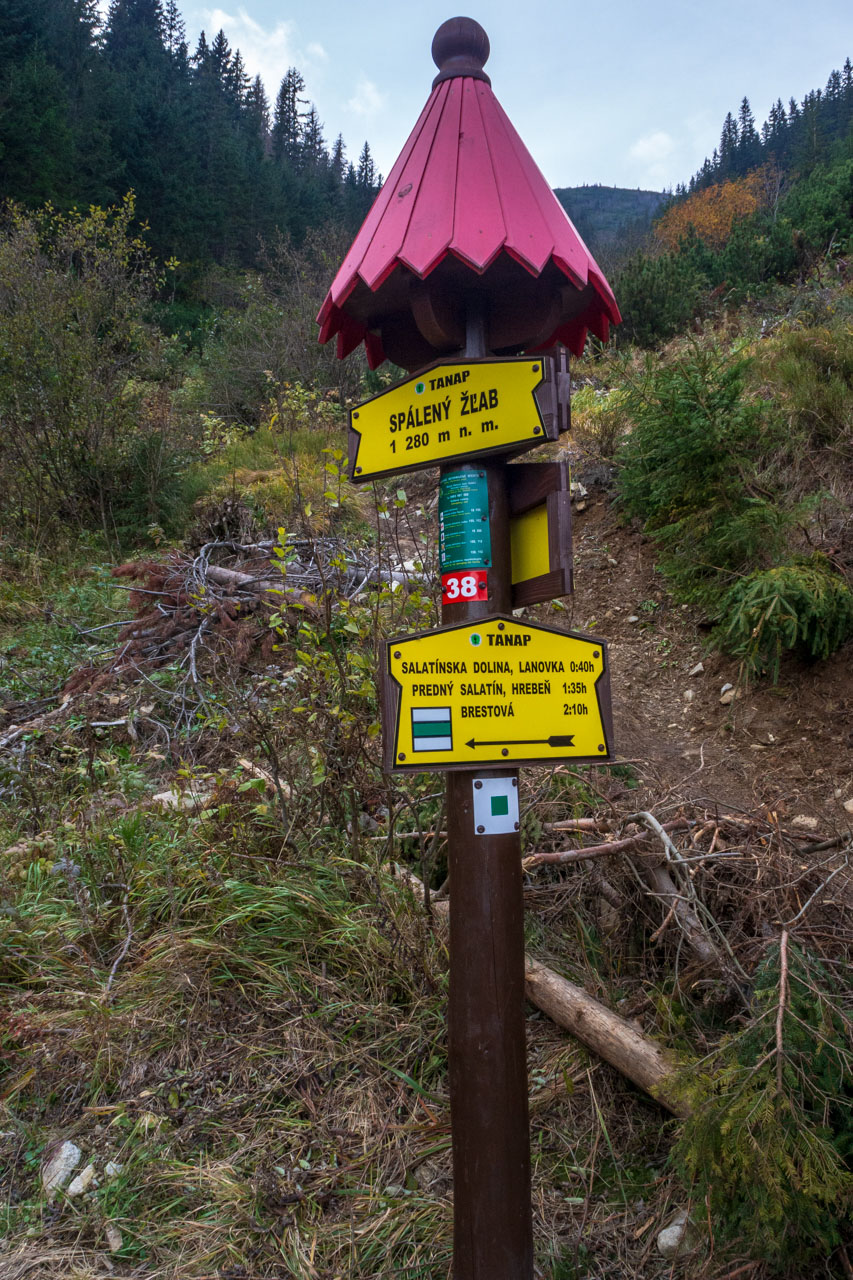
{"points": [[495, 692], [452, 410]]}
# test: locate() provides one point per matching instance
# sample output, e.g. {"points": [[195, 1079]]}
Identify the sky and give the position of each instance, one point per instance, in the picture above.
{"points": [[623, 93]]}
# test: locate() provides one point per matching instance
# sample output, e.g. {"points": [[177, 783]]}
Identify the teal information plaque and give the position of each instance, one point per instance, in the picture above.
{"points": [[463, 521]]}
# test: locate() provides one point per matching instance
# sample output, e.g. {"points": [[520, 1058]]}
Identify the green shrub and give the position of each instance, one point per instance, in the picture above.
{"points": [[811, 371], [768, 1145], [693, 468], [821, 207], [77, 366], [805, 606], [598, 421], [268, 332], [658, 297]]}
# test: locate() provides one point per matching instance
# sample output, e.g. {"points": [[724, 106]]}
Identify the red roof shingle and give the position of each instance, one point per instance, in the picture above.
{"points": [[466, 196]]}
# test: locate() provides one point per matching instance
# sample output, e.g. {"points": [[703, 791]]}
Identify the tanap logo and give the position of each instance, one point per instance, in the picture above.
{"points": [[420, 388]]}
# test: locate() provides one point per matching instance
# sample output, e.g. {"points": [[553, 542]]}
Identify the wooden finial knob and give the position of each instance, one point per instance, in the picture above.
{"points": [[460, 47]]}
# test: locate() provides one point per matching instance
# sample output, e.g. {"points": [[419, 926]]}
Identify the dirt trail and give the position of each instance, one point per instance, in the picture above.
{"points": [[788, 748]]}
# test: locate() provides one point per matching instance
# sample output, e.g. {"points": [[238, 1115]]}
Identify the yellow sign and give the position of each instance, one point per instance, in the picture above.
{"points": [[530, 545], [495, 692], [449, 411]]}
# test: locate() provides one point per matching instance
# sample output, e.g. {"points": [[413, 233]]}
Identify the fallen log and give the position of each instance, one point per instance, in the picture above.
{"points": [[617, 1041], [639, 1058]]}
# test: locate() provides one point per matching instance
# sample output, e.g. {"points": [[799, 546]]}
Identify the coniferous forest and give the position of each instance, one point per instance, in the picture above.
{"points": [[223, 926], [770, 205], [88, 113]]}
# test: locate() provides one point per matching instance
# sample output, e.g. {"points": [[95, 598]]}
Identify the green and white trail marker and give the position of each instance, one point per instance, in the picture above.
{"points": [[495, 806]]}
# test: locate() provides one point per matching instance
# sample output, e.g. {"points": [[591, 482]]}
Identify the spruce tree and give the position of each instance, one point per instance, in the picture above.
{"points": [[257, 112], [748, 146], [339, 159], [366, 172], [287, 118], [174, 30], [312, 150], [220, 57], [134, 30], [728, 146], [236, 82], [22, 26]]}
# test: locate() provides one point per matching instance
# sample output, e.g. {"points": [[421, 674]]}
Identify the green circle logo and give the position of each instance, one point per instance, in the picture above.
{"points": [[420, 388], [475, 638]]}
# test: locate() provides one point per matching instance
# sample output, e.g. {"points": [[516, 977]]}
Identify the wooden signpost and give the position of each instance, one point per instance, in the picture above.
{"points": [[466, 260], [447, 411], [494, 692]]}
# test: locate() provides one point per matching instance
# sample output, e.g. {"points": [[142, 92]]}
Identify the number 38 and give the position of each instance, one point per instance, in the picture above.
{"points": [[464, 588]]}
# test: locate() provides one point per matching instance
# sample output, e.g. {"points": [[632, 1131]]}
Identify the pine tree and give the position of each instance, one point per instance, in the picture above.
{"points": [[748, 149], [73, 46], [201, 57], [257, 111], [36, 141], [339, 159], [312, 149], [366, 172], [174, 30], [833, 104], [728, 145], [92, 107], [287, 118], [810, 133], [135, 30], [23, 24], [236, 84], [220, 56]]}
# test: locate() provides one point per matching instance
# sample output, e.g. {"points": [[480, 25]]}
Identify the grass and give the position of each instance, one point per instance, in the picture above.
{"points": [[285, 478], [255, 1032], [240, 1064], [49, 599]]}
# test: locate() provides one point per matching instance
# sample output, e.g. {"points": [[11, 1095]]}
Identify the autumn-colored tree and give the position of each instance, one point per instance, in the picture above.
{"points": [[713, 211]]}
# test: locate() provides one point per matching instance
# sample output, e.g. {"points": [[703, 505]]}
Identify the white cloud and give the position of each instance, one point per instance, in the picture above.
{"points": [[654, 154], [266, 52], [317, 51], [367, 99], [653, 148]]}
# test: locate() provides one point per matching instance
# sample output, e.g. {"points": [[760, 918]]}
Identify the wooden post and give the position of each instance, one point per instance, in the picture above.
{"points": [[492, 1222]]}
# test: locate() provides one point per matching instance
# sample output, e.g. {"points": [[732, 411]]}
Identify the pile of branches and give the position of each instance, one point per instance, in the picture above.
{"points": [[187, 606], [718, 882], [711, 890]]}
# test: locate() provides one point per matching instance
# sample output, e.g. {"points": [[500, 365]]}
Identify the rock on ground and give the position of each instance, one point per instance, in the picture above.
{"points": [[82, 1182], [60, 1166], [679, 1236]]}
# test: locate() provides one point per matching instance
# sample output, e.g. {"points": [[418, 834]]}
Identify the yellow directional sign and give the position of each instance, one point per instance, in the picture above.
{"points": [[451, 410], [495, 692]]}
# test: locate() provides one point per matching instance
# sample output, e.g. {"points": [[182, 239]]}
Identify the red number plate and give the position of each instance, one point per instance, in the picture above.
{"points": [[468, 584]]}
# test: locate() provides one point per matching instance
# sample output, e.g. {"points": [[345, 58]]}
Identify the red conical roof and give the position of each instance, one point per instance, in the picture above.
{"points": [[466, 193]]}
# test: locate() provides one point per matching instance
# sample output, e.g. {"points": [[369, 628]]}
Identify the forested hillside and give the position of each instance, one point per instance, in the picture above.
{"points": [[223, 926], [89, 113], [610, 217], [770, 206]]}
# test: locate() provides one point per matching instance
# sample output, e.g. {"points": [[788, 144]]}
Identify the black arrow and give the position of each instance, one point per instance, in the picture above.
{"points": [[556, 740]]}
